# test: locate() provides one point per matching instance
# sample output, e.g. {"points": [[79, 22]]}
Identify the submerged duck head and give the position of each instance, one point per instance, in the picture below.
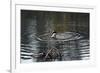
{"points": [[54, 34]]}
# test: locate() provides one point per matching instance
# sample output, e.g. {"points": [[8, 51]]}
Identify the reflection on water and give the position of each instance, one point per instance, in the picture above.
{"points": [[37, 45], [55, 50]]}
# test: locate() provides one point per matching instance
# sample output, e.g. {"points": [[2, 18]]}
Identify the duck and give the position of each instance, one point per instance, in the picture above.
{"points": [[66, 36]]}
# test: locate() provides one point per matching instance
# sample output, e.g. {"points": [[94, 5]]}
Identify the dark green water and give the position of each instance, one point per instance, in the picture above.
{"points": [[38, 46]]}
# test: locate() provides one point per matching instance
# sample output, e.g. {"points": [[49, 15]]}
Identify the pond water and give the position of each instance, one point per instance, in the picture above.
{"points": [[49, 49], [71, 42]]}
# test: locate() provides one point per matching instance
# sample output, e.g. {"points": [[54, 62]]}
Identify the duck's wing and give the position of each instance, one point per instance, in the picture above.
{"points": [[68, 36]]}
